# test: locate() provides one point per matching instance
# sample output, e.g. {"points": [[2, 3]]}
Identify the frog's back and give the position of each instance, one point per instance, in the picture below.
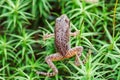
{"points": [[62, 34]]}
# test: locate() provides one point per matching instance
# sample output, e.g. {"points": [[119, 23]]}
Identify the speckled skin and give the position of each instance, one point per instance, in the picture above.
{"points": [[62, 34]]}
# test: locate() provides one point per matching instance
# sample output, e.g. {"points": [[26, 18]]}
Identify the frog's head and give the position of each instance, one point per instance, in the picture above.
{"points": [[63, 21]]}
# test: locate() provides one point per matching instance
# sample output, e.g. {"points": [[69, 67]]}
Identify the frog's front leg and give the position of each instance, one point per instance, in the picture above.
{"points": [[74, 33], [49, 59], [75, 51], [47, 36]]}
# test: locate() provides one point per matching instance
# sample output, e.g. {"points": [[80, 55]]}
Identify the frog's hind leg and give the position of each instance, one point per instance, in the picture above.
{"points": [[75, 51], [49, 59]]}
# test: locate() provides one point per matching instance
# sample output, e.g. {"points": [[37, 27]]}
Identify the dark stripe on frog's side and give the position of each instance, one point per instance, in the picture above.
{"points": [[62, 32]]}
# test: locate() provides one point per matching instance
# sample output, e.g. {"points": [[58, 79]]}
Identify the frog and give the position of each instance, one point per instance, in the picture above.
{"points": [[62, 35]]}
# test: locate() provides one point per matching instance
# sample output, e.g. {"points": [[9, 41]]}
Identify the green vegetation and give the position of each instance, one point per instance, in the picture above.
{"points": [[22, 49]]}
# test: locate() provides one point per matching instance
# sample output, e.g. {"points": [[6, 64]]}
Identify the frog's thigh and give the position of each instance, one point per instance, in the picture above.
{"points": [[75, 51], [54, 57]]}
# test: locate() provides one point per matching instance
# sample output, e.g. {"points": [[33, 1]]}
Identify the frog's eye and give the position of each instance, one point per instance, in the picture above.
{"points": [[66, 20]]}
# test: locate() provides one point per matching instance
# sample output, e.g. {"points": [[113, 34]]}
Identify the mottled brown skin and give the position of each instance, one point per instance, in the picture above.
{"points": [[62, 35]]}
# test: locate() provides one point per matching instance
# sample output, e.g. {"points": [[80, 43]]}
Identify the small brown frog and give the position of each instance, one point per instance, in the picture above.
{"points": [[62, 35]]}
